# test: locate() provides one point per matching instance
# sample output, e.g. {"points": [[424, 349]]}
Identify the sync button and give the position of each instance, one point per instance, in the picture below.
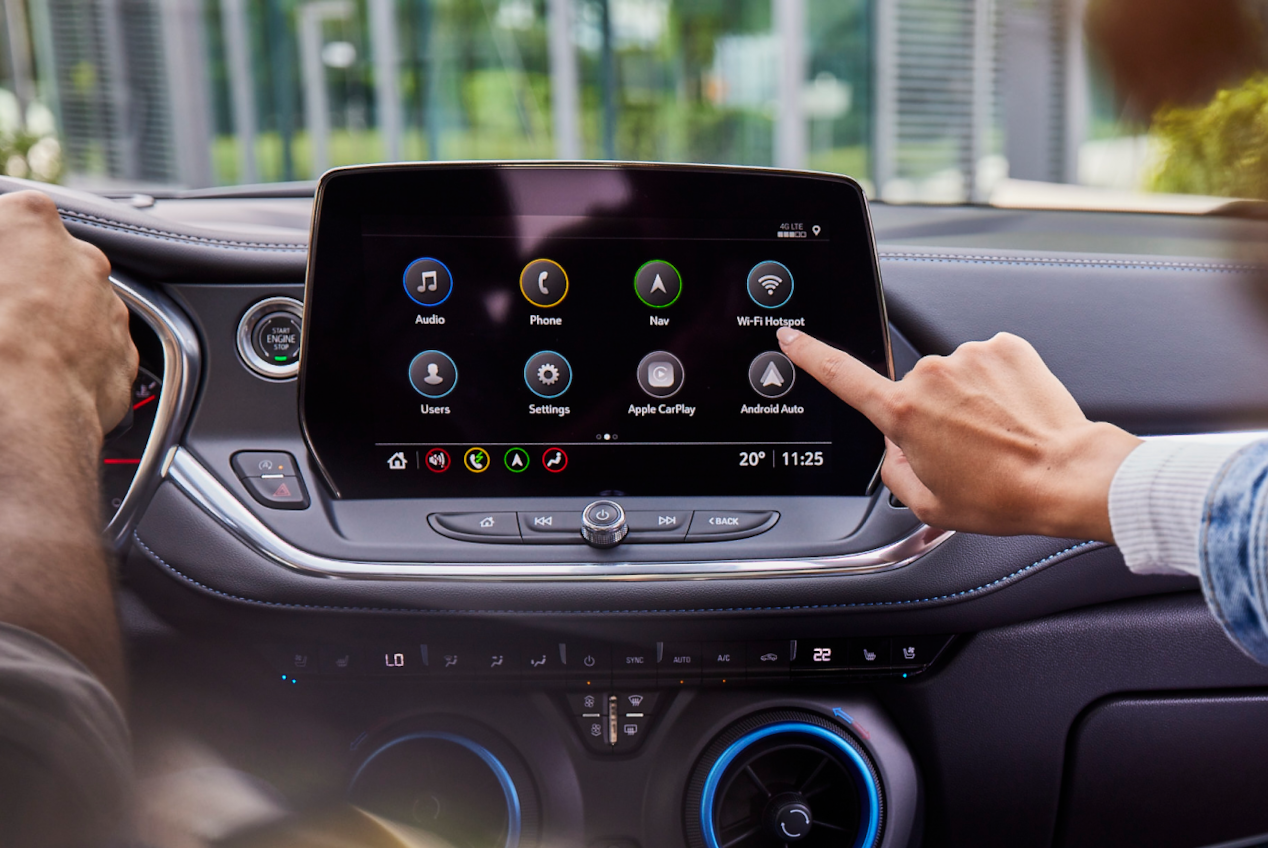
{"points": [[713, 526]]}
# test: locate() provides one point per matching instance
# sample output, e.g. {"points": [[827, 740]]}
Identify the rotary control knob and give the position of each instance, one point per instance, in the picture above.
{"points": [[787, 817], [603, 524]]}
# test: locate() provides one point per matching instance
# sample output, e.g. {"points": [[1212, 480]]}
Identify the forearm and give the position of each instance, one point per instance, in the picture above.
{"points": [[55, 576], [1233, 549]]}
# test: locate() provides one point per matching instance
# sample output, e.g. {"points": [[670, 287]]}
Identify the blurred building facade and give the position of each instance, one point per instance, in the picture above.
{"points": [[924, 100]]}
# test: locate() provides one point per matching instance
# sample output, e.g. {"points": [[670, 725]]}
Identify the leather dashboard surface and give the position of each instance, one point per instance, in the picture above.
{"points": [[1158, 345]]}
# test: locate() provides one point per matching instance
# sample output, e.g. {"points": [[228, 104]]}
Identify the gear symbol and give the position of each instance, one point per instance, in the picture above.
{"points": [[548, 374]]}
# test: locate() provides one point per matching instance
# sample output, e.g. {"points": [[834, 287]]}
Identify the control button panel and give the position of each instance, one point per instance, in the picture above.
{"points": [[272, 478], [633, 670], [562, 527], [269, 337], [613, 722]]}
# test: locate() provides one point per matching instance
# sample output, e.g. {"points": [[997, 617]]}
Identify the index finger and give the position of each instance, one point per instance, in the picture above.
{"points": [[846, 377]]}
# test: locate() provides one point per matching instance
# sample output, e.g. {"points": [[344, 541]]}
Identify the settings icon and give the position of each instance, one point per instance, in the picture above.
{"points": [[548, 374]]}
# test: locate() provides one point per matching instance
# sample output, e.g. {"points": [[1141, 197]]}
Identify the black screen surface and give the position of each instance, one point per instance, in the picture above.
{"points": [[529, 331]]}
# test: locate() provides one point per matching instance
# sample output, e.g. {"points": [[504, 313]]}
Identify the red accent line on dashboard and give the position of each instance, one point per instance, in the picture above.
{"points": [[121, 461], [142, 403]]}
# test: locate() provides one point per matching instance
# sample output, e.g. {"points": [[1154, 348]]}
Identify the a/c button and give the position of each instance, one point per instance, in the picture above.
{"points": [[717, 525]]}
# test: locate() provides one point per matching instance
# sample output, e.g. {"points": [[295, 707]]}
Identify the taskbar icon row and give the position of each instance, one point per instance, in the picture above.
{"points": [[476, 459]]}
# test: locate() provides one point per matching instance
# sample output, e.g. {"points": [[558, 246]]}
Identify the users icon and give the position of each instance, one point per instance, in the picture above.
{"points": [[433, 374]]}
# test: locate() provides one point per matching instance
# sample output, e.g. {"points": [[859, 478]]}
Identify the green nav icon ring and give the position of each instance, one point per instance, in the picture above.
{"points": [[657, 283], [547, 374], [433, 374], [516, 460]]}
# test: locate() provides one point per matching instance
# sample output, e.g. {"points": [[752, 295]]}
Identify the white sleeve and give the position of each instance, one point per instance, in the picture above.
{"points": [[1156, 502]]}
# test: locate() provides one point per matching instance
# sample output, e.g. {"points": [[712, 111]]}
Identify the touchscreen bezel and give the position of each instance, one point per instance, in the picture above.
{"points": [[341, 175]]}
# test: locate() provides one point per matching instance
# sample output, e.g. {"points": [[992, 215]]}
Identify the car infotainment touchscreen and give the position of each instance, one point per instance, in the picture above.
{"points": [[539, 330]]}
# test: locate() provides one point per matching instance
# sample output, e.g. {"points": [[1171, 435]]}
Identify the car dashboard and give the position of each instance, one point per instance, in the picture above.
{"points": [[681, 657]]}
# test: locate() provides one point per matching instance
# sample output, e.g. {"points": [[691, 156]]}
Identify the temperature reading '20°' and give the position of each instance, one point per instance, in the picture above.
{"points": [[752, 459]]}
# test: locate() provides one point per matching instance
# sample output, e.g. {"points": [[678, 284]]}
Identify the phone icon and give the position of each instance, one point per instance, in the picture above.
{"points": [[544, 283]]}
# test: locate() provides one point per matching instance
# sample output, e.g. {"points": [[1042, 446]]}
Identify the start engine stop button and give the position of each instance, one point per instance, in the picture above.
{"points": [[270, 336], [276, 338]]}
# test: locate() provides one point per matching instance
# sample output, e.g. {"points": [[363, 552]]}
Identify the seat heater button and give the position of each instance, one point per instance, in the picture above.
{"points": [[497, 525], [706, 525]]}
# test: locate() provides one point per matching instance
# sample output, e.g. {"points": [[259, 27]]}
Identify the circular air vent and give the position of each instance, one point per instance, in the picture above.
{"points": [[781, 779], [445, 784]]}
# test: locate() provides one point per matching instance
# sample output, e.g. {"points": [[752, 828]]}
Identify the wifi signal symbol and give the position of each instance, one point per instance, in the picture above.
{"points": [[770, 282]]}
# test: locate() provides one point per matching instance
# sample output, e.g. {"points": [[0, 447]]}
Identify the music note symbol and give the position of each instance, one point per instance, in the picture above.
{"points": [[429, 281]]}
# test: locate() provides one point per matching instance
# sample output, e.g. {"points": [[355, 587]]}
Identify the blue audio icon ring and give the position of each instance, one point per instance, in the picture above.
{"points": [[428, 281], [862, 775]]}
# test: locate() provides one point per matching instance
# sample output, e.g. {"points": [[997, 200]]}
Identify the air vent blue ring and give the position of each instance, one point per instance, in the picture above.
{"points": [[513, 816], [861, 772]]}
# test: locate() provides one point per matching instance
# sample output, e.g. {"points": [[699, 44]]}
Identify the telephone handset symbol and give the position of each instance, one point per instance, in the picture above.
{"points": [[541, 282]]}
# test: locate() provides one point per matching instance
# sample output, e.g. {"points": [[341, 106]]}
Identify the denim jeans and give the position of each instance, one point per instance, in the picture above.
{"points": [[1234, 549]]}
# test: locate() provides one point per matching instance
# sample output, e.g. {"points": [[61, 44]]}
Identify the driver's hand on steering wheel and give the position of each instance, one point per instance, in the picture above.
{"points": [[63, 331]]}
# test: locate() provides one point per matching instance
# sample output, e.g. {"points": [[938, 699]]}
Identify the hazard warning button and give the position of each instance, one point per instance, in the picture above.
{"points": [[272, 478], [279, 493]]}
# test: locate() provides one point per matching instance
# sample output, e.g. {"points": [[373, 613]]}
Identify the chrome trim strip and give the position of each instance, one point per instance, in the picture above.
{"points": [[181, 363], [205, 490], [189, 475]]}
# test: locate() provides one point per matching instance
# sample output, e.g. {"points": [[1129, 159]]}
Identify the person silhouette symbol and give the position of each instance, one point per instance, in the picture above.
{"points": [[433, 377]]}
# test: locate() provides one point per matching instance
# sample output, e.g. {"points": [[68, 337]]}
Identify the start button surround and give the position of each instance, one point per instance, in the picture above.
{"points": [[269, 337]]}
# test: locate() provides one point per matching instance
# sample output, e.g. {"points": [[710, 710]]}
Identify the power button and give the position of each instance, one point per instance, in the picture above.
{"points": [[603, 524]]}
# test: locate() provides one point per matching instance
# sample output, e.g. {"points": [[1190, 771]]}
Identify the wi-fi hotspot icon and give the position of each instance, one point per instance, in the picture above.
{"points": [[770, 282]]}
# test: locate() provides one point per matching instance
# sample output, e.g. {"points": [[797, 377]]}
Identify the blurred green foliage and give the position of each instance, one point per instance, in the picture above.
{"points": [[1219, 149]]}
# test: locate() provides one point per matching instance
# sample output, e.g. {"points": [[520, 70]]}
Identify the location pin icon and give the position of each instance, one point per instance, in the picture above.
{"points": [[815, 229]]}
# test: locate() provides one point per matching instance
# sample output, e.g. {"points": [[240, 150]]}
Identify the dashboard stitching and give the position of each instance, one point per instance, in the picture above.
{"points": [[1037, 564], [1117, 264], [166, 235]]}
